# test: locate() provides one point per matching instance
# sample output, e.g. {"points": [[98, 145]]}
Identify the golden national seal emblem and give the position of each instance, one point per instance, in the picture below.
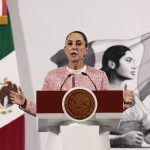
{"points": [[79, 104]]}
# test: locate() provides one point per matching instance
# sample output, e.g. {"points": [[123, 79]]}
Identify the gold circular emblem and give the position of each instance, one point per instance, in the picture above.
{"points": [[79, 104]]}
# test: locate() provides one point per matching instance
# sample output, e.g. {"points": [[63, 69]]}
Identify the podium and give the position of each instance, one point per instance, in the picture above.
{"points": [[51, 116]]}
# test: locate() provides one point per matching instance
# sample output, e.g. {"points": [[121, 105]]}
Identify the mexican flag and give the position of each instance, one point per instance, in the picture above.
{"points": [[3, 12], [11, 117]]}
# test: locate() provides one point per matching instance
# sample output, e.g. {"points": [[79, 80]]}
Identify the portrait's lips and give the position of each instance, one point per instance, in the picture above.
{"points": [[133, 72]]}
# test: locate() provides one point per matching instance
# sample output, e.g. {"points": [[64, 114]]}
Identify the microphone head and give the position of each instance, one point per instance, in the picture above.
{"points": [[69, 75], [83, 73]]}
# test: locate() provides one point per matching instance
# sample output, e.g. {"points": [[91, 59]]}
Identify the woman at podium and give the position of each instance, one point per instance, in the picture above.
{"points": [[75, 74]]}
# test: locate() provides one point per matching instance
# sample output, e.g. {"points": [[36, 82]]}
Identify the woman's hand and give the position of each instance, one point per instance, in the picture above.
{"points": [[17, 98], [128, 97]]}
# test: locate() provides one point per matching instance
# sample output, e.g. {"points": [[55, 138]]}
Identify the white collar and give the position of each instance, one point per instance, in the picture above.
{"points": [[77, 72]]}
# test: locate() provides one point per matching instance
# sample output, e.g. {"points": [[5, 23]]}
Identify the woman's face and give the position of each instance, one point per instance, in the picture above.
{"points": [[126, 67], [75, 49]]}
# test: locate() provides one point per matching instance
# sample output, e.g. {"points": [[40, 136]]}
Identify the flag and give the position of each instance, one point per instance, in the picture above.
{"points": [[12, 135], [3, 12]]}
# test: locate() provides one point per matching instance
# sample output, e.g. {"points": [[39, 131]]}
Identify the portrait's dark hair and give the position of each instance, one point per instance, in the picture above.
{"points": [[83, 35], [113, 53]]}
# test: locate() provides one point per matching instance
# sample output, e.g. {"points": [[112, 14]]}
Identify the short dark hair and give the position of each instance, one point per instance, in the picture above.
{"points": [[83, 35], [113, 53]]}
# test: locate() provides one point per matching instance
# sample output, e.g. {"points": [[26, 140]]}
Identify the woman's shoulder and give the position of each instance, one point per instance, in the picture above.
{"points": [[57, 71]]}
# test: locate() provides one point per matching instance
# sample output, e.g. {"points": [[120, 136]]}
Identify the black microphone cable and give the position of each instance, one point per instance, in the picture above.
{"points": [[69, 75], [85, 74]]}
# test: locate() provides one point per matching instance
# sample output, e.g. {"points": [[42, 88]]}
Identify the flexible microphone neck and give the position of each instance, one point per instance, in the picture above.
{"points": [[85, 74], [69, 75]]}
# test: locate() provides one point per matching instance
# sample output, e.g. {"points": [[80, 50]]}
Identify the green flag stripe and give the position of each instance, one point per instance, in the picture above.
{"points": [[6, 39]]}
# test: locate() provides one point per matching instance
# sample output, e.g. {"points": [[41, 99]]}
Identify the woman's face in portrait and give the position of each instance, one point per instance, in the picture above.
{"points": [[126, 67], [75, 49]]}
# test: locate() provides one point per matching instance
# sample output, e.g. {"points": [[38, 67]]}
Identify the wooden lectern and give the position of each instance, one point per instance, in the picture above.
{"points": [[50, 114]]}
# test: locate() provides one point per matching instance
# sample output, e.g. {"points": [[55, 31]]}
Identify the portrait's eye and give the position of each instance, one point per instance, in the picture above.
{"points": [[129, 60]]}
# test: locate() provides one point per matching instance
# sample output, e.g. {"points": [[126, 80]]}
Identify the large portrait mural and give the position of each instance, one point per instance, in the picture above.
{"points": [[124, 61]]}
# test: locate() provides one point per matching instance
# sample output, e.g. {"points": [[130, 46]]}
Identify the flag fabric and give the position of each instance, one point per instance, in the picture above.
{"points": [[6, 40], [3, 12], [12, 135]]}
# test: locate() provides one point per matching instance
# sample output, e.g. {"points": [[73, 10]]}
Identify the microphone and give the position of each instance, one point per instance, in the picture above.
{"points": [[85, 74], [69, 75]]}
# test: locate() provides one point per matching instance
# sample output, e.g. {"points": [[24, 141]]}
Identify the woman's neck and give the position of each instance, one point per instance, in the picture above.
{"points": [[78, 71], [75, 65]]}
